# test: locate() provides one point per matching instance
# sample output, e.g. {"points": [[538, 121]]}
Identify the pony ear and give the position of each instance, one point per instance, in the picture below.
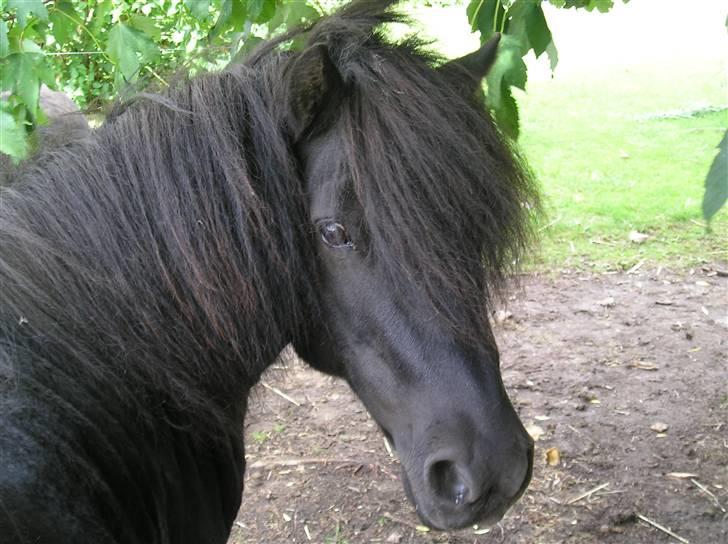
{"points": [[314, 87], [472, 68]]}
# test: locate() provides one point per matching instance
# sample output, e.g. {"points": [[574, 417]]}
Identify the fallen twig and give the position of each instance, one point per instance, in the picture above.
{"points": [[387, 446], [280, 393], [662, 528], [615, 492], [587, 493], [305, 461], [416, 527], [636, 267], [709, 493], [550, 224]]}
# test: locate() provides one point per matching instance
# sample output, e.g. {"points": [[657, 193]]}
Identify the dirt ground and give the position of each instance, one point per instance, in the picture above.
{"points": [[625, 375]]}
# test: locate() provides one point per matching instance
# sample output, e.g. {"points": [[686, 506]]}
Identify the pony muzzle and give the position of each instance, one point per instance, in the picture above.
{"points": [[452, 488]]}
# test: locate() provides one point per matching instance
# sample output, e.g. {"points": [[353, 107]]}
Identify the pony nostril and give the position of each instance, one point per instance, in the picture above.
{"points": [[447, 483]]}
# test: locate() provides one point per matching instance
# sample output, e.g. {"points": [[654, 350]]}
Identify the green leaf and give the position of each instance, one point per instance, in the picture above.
{"points": [[12, 137], [146, 25], [509, 68], [238, 15], [126, 47], [23, 8], [602, 5], [200, 9], [45, 72], [261, 11], [716, 183], [292, 14], [4, 43], [528, 23], [22, 78], [101, 12], [63, 17], [539, 33], [301, 11], [486, 16], [508, 71], [553, 55], [227, 9], [506, 114], [233, 15]]}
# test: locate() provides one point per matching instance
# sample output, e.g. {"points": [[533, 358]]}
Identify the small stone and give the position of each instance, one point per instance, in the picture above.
{"points": [[659, 427], [535, 431], [394, 538], [502, 316], [638, 237]]}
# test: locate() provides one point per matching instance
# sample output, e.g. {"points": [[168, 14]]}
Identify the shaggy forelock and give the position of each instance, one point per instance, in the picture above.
{"points": [[448, 203]]}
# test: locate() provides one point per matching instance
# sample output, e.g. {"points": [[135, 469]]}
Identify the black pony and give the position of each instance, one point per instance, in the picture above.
{"points": [[353, 199]]}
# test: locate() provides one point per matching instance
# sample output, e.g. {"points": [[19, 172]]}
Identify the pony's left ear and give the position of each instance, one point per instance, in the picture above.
{"points": [[314, 87], [471, 69]]}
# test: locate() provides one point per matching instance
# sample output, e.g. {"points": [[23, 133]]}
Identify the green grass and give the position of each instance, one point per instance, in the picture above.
{"points": [[260, 437], [609, 166], [337, 537]]}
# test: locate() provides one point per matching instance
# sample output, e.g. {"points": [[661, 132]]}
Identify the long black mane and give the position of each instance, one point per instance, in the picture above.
{"points": [[442, 213], [162, 264]]}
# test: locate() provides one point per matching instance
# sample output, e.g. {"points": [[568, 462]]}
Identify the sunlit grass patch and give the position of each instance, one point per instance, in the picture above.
{"points": [[610, 164]]}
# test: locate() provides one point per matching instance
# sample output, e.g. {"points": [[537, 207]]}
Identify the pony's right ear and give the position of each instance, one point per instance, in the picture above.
{"points": [[471, 69], [314, 87]]}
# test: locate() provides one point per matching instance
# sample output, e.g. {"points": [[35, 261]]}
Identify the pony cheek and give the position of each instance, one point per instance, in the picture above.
{"points": [[319, 352]]}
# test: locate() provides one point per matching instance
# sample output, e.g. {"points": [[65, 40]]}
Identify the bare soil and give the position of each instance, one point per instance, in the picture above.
{"points": [[625, 375]]}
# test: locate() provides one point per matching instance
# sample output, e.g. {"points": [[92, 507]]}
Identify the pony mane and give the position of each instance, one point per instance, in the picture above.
{"points": [[164, 254], [448, 201], [170, 252]]}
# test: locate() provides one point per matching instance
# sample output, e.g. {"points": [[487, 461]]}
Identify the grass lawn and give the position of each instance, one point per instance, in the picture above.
{"points": [[621, 137], [608, 168]]}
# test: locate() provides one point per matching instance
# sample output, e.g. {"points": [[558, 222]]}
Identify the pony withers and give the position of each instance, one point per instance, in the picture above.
{"points": [[353, 199]]}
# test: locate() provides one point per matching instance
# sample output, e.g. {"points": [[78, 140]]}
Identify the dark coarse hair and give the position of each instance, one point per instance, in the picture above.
{"points": [[161, 265]]}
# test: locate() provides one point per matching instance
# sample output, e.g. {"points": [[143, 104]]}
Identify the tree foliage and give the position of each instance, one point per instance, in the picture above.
{"points": [[523, 26], [102, 49]]}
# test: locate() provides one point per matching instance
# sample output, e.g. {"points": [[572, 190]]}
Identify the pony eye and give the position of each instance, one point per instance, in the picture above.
{"points": [[334, 235]]}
